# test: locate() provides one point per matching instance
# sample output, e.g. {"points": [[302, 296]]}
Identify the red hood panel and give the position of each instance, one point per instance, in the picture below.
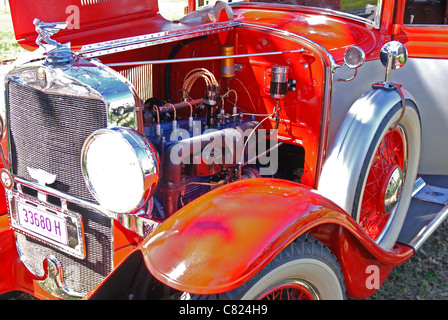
{"points": [[104, 20], [93, 15]]}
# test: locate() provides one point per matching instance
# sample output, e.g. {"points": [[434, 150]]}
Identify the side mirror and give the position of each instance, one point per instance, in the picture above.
{"points": [[393, 55]]}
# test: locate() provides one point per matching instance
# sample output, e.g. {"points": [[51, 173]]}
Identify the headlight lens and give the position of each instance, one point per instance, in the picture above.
{"points": [[354, 57], [120, 167]]}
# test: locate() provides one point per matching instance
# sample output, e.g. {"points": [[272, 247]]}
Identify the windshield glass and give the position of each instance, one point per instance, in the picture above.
{"points": [[366, 9]]}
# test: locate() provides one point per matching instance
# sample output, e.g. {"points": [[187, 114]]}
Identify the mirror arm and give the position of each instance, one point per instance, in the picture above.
{"points": [[390, 58], [349, 79]]}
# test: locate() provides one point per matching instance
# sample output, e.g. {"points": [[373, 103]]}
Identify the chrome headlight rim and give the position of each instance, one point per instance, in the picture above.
{"points": [[354, 57], [146, 158]]}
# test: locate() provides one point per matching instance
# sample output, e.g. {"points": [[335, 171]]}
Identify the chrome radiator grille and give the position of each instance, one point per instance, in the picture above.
{"points": [[47, 132]]}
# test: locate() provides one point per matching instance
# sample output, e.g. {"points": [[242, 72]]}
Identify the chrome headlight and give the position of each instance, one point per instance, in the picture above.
{"points": [[121, 168]]}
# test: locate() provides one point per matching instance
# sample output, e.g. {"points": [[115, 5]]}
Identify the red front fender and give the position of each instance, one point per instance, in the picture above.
{"points": [[222, 239]]}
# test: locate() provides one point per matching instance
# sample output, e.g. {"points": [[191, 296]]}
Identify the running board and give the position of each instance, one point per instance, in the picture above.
{"points": [[429, 229], [428, 209]]}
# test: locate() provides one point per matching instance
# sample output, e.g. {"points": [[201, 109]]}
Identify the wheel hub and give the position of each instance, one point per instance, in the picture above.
{"points": [[391, 189]]}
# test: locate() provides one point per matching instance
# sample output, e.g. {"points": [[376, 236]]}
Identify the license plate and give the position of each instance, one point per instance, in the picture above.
{"points": [[59, 228], [43, 223]]}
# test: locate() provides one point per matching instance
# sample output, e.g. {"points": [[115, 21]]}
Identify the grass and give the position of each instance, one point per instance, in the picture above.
{"points": [[424, 276], [356, 4], [9, 48]]}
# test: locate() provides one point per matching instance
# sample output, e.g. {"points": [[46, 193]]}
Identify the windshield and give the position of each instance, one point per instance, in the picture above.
{"points": [[366, 9]]}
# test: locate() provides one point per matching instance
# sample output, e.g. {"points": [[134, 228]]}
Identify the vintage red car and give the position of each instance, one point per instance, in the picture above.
{"points": [[249, 150]]}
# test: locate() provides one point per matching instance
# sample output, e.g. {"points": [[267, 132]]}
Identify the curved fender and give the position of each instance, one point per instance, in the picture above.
{"points": [[222, 239], [360, 125]]}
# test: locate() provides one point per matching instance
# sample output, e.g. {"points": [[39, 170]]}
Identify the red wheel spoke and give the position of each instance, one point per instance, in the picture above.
{"points": [[389, 155], [289, 291]]}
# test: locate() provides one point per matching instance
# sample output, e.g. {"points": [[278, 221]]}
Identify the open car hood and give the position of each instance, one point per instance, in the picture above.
{"points": [[106, 24], [90, 21]]}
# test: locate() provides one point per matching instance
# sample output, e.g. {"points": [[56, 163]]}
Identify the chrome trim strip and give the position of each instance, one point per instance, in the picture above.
{"points": [[325, 121], [90, 2], [151, 39], [63, 196], [137, 63], [426, 232]]}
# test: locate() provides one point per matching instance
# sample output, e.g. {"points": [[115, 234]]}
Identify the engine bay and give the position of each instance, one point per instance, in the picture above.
{"points": [[225, 103], [208, 124], [204, 142]]}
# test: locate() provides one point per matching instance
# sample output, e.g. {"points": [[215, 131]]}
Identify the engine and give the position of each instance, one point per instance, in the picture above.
{"points": [[201, 146]]}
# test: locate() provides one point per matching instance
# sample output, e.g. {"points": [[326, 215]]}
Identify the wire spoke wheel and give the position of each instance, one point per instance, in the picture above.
{"points": [[293, 290], [384, 183]]}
